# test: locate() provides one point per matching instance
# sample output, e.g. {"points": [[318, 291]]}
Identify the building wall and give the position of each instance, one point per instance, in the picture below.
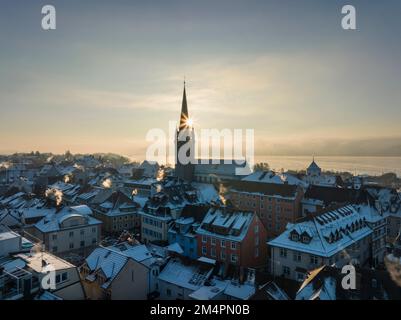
{"points": [[169, 291], [393, 227], [187, 242], [70, 239], [69, 288], [378, 241], [117, 224], [280, 261], [274, 211], [93, 290], [224, 250], [154, 229], [10, 244], [72, 292], [132, 283]]}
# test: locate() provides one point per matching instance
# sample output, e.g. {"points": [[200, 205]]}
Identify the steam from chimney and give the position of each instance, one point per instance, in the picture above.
{"points": [[5, 165], [222, 192], [56, 194], [160, 174], [107, 183]]}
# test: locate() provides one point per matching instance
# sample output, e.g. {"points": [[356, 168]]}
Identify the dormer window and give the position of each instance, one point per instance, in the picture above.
{"points": [[294, 236], [305, 239]]}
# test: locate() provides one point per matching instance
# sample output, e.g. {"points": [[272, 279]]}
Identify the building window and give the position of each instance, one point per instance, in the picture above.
{"points": [[168, 292], [204, 250], [54, 237], [132, 275], [82, 243], [82, 232], [300, 276], [71, 234], [71, 245], [256, 228], [54, 249], [94, 241], [93, 230], [286, 271], [58, 278], [297, 256], [256, 252], [256, 241], [213, 241], [283, 253], [314, 260], [234, 258], [204, 239], [233, 245], [223, 255], [213, 252], [64, 276]]}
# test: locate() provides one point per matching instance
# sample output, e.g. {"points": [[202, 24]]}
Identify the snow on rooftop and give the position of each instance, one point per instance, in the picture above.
{"points": [[330, 232], [185, 276], [175, 247], [34, 261], [53, 221], [207, 260], [235, 223], [207, 192], [273, 177], [240, 291]]}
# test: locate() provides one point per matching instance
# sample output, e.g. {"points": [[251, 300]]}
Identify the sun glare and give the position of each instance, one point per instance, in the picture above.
{"points": [[189, 122]]}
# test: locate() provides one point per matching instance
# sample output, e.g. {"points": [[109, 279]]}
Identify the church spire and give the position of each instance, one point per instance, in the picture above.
{"points": [[184, 111]]}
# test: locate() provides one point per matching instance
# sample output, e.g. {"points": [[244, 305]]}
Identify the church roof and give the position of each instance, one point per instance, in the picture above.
{"points": [[313, 166], [184, 111]]}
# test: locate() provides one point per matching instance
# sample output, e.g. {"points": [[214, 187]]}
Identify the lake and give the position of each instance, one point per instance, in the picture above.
{"points": [[355, 165]]}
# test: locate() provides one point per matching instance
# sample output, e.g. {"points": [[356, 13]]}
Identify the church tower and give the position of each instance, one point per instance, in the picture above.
{"points": [[185, 141]]}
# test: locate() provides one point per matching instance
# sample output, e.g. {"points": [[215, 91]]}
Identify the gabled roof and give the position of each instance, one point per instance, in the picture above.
{"points": [[329, 195], [270, 189], [53, 221], [313, 166], [332, 231], [226, 223], [111, 260]]}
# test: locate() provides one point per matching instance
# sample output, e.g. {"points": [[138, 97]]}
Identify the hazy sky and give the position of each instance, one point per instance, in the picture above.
{"points": [[114, 69]]}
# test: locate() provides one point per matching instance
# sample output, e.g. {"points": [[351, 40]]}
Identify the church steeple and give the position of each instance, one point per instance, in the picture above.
{"points": [[184, 111], [185, 144]]}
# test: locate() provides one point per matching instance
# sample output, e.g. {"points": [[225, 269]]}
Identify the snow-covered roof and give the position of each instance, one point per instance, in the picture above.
{"points": [[175, 247], [318, 286], [210, 292], [53, 221], [329, 232], [226, 223], [109, 261], [186, 276], [207, 192], [274, 177], [112, 259], [313, 166], [240, 291]]}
